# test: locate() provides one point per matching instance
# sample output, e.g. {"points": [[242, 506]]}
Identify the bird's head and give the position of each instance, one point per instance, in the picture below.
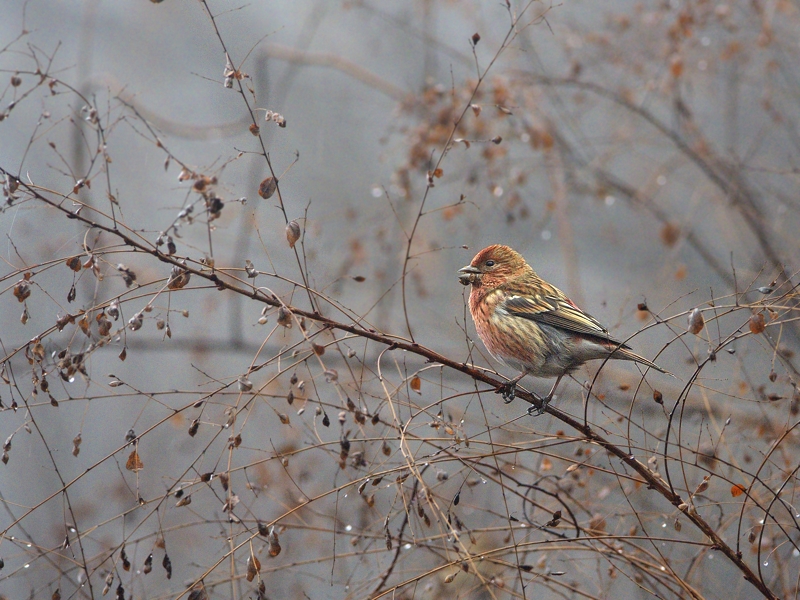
{"points": [[492, 266]]}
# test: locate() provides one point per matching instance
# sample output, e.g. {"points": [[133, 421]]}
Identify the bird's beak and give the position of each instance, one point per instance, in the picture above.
{"points": [[468, 274]]}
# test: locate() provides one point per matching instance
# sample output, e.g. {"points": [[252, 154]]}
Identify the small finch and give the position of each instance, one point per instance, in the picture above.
{"points": [[532, 326]]}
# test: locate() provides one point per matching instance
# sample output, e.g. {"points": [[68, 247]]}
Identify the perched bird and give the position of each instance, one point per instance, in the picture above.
{"points": [[532, 326]]}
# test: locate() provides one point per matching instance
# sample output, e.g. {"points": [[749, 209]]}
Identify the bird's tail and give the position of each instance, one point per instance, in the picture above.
{"points": [[625, 354]]}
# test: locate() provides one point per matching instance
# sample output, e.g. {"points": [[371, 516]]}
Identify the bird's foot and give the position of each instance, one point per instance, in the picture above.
{"points": [[508, 391], [537, 411]]}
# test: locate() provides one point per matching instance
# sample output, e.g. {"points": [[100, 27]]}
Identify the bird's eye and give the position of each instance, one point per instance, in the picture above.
{"points": [[489, 263]]}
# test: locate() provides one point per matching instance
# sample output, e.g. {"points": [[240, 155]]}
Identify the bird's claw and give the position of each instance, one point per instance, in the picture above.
{"points": [[537, 411], [508, 391]]}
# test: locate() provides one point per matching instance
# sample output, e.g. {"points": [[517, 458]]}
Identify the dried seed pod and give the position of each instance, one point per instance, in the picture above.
{"points": [[267, 188], [244, 384], [167, 564], [696, 321], [136, 321], [178, 278], [274, 543], [74, 263], [22, 291], [292, 233], [285, 317], [113, 309], [703, 486], [253, 567], [148, 564], [128, 276], [756, 323]]}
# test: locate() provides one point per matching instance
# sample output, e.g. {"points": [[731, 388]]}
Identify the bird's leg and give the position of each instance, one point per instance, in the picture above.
{"points": [[509, 389], [546, 400]]}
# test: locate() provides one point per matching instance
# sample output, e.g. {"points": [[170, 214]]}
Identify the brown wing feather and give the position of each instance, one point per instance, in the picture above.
{"points": [[558, 312]]}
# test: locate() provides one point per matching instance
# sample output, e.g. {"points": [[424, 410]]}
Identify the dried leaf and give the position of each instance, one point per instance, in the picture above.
{"points": [[737, 490], [416, 384], [134, 463]]}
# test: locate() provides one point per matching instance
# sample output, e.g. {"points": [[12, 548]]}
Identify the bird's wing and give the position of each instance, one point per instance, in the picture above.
{"points": [[557, 311]]}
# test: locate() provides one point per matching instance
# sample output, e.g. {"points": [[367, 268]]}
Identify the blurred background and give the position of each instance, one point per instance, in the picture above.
{"points": [[641, 155]]}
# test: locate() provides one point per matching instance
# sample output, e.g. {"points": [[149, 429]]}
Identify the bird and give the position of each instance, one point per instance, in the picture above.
{"points": [[530, 325]]}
